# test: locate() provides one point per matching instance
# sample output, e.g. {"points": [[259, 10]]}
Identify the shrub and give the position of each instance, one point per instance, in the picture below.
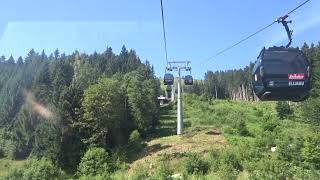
{"points": [[231, 159], [225, 160], [242, 128], [229, 130], [258, 112], [141, 172], [284, 110], [7, 147], [163, 171], [265, 140], [268, 168], [2, 143], [104, 176], [311, 149], [40, 169], [289, 147], [13, 174], [1, 153], [270, 125], [227, 172], [135, 142], [119, 158], [194, 164], [214, 156], [310, 110], [303, 173], [96, 161]]}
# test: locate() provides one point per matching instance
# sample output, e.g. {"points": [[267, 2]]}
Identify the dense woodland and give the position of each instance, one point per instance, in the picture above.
{"points": [[86, 113], [58, 105]]}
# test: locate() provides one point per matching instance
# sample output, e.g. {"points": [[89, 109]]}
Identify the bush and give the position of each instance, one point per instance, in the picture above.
{"points": [[284, 110], [194, 164], [227, 172], [7, 147], [310, 111], [270, 125], [225, 161], [105, 176], [289, 147], [214, 156], [141, 172], [242, 128], [40, 169], [231, 159], [268, 168], [163, 172], [96, 161], [303, 173], [311, 149], [1, 153], [119, 159], [135, 142], [229, 130], [13, 174], [265, 141]]}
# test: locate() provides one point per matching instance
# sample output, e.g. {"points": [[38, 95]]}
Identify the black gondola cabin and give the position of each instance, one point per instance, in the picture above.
{"points": [[281, 74], [188, 80], [168, 79]]}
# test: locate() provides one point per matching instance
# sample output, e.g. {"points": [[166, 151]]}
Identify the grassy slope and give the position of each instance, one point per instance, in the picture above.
{"points": [[203, 121], [166, 143]]}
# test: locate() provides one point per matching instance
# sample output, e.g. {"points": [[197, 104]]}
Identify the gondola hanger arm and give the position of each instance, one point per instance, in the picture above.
{"points": [[284, 22]]}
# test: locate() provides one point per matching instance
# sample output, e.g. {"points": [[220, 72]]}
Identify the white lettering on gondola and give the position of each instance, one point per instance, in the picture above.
{"points": [[296, 83]]}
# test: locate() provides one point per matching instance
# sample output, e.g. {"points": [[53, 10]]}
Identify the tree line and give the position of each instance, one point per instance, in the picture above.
{"points": [[230, 84], [57, 106]]}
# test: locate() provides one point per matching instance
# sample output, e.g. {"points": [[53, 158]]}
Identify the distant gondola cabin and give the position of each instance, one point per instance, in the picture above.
{"points": [[188, 80], [168, 79]]}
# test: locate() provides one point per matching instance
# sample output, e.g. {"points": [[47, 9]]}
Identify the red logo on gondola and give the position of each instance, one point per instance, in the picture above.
{"points": [[299, 76]]}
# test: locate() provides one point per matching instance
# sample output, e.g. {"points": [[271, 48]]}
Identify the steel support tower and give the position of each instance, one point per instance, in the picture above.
{"points": [[179, 66]]}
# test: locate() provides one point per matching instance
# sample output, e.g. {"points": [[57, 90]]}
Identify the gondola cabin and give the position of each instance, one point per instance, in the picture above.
{"points": [[168, 79], [281, 74], [188, 80]]}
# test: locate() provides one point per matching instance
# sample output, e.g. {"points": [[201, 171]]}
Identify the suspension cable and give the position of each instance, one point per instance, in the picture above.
{"points": [[297, 7], [239, 42], [255, 33], [164, 32]]}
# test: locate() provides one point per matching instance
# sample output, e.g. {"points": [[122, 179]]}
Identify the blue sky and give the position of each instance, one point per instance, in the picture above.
{"points": [[196, 30]]}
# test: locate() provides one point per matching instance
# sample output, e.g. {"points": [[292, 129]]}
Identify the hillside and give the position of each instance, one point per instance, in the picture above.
{"points": [[225, 140], [233, 138]]}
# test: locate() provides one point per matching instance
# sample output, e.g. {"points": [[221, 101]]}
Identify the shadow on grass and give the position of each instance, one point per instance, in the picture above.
{"points": [[163, 132], [167, 127], [147, 151], [168, 124], [155, 148]]}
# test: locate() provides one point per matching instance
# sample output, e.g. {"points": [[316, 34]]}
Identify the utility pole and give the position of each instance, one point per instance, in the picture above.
{"points": [[179, 66]]}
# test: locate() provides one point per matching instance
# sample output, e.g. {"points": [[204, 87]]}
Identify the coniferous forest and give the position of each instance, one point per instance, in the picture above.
{"points": [[58, 105], [89, 115]]}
